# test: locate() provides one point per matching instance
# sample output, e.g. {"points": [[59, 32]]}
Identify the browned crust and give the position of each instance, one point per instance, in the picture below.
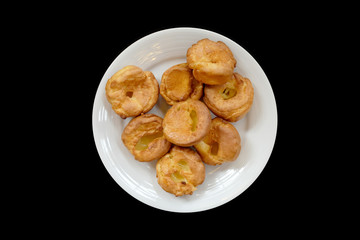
{"points": [[140, 126], [228, 141], [132, 91], [235, 108], [177, 123], [212, 62], [176, 90], [194, 173]]}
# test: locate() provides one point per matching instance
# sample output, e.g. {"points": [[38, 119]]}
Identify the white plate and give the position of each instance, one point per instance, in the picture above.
{"points": [[156, 53]]}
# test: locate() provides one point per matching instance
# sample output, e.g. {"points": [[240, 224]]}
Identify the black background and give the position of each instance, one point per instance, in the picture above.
{"points": [[270, 44], [94, 48], [69, 184]]}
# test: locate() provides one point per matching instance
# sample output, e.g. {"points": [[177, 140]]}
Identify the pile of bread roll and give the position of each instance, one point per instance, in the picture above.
{"points": [[187, 137]]}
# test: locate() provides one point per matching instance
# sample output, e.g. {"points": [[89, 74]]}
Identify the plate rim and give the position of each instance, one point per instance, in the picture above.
{"points": [[113, 172]]}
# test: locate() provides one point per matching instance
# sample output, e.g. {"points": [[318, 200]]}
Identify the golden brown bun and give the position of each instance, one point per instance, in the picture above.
{"points": [[232, 100], [131, 91], [179, 84], [222, 144], [144, 138], [213, 62], [186, 123], [180, 171]]}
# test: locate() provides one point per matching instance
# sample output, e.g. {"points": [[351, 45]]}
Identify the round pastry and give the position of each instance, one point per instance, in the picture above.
{"points": [[212, 62], [186, 123], [180, 171], [132, 91], [178, 84], [144, 138], [222, 144], [232, 100]]}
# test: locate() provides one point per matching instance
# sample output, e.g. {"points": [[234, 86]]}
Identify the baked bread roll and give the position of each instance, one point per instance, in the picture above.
{"points": [[212, 62], [143, 137], [186, 123], [232, 100], [131, 91], [180, 171], [222, 144], [178, 84]]}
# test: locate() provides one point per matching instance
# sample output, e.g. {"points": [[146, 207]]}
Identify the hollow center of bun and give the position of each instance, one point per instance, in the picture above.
{"points": [[228, 93], [129, 94], [194, 119], [177, 177], [179, 85], [214, 148], [184, 165], [144, 141]]}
